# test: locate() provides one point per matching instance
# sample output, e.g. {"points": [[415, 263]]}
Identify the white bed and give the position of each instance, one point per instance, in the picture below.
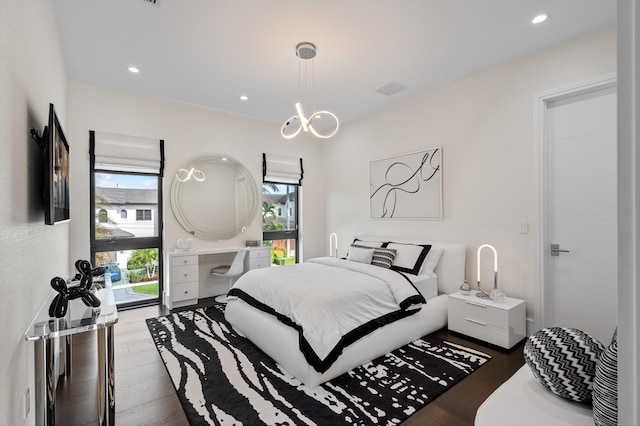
{"points": [[281, 342]]}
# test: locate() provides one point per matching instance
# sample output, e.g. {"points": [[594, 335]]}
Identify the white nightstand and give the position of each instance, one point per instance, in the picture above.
{"points": [[501, 324]]}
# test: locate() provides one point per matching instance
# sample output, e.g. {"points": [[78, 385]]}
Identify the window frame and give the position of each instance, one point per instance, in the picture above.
{"points": [[290, 234], [124, 244]]}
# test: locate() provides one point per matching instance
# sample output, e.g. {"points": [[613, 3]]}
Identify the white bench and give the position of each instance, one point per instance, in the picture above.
{"points": [[522, 400]]}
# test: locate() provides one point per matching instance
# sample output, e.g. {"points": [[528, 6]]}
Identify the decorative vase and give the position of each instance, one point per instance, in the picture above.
{"points": [[496, 294], [465, 288]]}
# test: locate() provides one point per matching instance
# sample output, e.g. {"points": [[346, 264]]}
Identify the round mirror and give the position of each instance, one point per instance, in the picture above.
{"points": [[214, 197]]}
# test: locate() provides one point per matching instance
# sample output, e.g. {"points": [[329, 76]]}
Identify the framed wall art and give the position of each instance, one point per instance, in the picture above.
{"points": [[407, 186]]}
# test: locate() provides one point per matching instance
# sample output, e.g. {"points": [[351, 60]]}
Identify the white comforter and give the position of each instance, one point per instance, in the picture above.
{"points": [[326, 298]]}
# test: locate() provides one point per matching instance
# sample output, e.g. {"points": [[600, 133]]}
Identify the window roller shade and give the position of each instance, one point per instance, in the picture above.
{"points": [[121, 153], [281, 169]]}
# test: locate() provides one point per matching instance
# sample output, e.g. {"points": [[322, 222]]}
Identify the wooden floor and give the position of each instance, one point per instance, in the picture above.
{"points": [[144, 393]]}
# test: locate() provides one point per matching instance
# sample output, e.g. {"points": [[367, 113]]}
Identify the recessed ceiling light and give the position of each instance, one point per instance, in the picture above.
{"points": [[243, 97], [540, 18], [133, 70]]}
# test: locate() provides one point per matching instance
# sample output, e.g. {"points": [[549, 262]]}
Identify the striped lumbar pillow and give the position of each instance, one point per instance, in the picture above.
{"points": [[605, 386]]}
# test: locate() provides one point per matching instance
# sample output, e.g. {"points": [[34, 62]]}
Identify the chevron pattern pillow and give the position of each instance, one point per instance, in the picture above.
{"points": [[383, 257], [605, 386], [564, 361]]}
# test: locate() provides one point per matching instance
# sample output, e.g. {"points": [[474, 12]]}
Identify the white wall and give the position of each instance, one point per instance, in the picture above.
{"points": [[32, 74], [188, 131], [484, 126]]}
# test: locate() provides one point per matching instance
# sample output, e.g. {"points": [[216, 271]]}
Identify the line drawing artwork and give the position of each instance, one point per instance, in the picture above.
{"points": [[407, 186]]}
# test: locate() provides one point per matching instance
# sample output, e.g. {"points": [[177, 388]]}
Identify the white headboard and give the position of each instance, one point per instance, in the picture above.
{"points": [[450, 269]]}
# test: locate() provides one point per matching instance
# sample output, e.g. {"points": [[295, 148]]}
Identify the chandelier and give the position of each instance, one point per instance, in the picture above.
{"points": [[323, 120]]}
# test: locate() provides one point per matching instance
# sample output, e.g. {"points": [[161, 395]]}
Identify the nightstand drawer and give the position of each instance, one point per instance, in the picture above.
{"points": [[184, 291], [182, 274], [479, 330], [184, 260], [479, 311]]}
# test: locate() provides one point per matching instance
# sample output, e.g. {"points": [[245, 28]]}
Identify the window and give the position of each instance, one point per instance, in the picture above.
{"points": [[143, 214], [129, 250], [282, 179], [102, 216], [278, 229]]}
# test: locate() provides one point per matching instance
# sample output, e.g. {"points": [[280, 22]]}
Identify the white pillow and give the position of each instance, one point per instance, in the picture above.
{"points": [[360, 254], [430, 263], [409, 257]]}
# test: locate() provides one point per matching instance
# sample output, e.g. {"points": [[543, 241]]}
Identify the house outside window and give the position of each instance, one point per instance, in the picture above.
{"points": [[123, 214]]}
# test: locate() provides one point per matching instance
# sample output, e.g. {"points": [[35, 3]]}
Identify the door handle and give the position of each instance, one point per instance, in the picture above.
{"points": [[555, 250]]}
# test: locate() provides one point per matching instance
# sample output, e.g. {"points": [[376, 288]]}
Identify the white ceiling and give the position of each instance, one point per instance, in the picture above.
{"points": [[209, 52]]}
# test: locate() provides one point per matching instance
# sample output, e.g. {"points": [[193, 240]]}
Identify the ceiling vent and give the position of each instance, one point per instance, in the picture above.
{"points": [[153, 2], [391, 88]]}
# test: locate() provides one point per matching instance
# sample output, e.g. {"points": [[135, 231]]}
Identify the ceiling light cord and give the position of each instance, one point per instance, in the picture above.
{"points": [[313, 85]]}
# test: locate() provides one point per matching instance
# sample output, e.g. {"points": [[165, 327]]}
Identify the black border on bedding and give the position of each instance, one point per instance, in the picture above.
{"points": [[322, 365]]}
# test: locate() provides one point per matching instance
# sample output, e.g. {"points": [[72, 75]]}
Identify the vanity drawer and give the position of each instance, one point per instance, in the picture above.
{"points": [[258, 263], [182, 274], [184, 260], [184, 291], [260, 253]]}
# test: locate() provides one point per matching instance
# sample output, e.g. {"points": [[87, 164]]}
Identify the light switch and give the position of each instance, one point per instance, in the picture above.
{"points": [[524, 227]]}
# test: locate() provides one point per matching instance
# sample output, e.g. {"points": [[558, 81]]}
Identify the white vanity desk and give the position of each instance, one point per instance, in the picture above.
{"points": [[188, 275]]}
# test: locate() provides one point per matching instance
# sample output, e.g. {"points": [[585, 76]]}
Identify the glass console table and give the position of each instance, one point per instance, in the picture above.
{"points": [[47, 333]]}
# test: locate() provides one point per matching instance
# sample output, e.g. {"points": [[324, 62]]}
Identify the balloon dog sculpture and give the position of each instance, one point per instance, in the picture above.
{"points": [[60, 303]]}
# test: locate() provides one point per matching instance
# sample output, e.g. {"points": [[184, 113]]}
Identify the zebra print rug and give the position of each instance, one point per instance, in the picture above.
{"points": [[222, 378]]}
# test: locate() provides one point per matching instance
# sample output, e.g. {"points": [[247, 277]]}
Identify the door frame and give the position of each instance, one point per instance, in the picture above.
{"points": [[541, 241]]}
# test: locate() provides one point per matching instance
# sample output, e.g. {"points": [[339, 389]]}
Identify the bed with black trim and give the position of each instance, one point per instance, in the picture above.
{"points": [[326, 316]]}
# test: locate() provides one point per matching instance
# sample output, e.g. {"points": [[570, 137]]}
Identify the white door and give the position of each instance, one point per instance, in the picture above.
{"points": [[581, 204]]}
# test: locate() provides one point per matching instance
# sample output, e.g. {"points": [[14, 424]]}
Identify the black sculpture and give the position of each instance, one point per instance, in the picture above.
{"points": [[60, 303], [86, 273]]}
